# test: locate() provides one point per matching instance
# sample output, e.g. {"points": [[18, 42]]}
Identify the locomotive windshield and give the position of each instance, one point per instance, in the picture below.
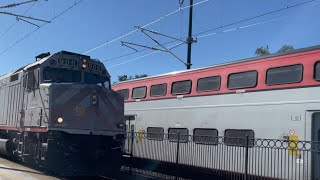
{"points": [[61, 75], [97, 79], [58, 75]]}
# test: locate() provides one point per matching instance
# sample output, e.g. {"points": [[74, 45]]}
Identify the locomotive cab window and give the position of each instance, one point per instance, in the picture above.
{"points": [[139, 92], [158, 90], [181, 87], [238, 137], [284, 75], [32, 79], [317, 71], [205, 136], [97, 79], [209, 84], [124, 93], [57, 75], [155, 133], [241, 80], [173, 134]]}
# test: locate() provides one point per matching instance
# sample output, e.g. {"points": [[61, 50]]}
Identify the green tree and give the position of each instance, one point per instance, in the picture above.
{"points": [[140, 76], [126, 77], [285, 48], [122, 78], [262, 51]]}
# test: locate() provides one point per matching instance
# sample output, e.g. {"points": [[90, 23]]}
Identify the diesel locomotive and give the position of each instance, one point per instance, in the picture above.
{"points": [[60, 113]]}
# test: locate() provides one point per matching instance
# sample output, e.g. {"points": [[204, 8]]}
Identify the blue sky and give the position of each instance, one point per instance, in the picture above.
{"points": [[94, 22]]}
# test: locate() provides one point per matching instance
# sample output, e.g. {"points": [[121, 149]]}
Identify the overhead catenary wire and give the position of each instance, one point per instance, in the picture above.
{"points": [[55, 17], [140, 57], [146, 25], [22, 16], [16, 22], [206, 32], [20, 19], [240, 27], [255, 17], [203, 36], [16, 4]]}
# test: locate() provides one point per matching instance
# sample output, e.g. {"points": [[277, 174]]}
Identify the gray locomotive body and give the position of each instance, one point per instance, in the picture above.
{"points": [[60, 112]]}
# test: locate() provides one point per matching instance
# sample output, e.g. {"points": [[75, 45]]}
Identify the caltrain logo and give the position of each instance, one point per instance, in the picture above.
{"points": [[292, 132], [80, 111]]}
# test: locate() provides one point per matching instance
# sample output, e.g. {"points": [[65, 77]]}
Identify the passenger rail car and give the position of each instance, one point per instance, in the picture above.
{"points": [[60, 112], [275, 97]]}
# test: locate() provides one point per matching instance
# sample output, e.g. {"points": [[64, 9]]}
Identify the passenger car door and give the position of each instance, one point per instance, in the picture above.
{"points": [[130, 126], [316, 146]]}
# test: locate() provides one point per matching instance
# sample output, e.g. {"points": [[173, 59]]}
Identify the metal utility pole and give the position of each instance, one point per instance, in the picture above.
{"points": [[190, 39]]}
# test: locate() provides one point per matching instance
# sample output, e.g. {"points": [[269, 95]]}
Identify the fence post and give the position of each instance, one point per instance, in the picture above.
{"points": [[131, 150], [246, 158], [177, 154]]}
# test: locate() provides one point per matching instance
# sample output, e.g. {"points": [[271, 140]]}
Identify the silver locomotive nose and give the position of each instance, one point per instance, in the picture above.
{"points": [[89, 108]]}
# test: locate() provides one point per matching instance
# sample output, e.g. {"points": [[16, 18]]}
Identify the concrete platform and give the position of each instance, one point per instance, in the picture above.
{"points": [[13, 171]]}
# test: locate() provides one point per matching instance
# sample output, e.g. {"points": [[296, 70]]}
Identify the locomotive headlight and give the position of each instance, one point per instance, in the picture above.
{"points": [[84, 66], [60, 120]]}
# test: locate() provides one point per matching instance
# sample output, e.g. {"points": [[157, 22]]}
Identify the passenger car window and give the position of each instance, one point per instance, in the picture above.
{"points": [[204, 135], [173, 134], [155, 133], [124, 93], [209, 83], [317, 71], [284, 74], [139, 92], [242, 80], [238, 137], [158, 90], [181, 87]]}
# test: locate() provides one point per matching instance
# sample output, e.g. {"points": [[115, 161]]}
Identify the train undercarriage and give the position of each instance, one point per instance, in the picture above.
{"points": [[62, 153]]}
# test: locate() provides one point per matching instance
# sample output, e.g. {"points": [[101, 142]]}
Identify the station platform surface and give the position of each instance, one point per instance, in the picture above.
{"points": [[12, 171]]}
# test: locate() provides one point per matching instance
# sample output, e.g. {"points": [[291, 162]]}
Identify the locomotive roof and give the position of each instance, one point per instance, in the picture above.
{"points": [[41, 61], [317, 47]]}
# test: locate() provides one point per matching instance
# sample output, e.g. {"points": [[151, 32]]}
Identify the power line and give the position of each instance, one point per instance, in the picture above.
{"points": [[21, 16], [128, 54], [140, 57], [241, 27], [146, 25], [227, 25], [26, 36], [16, 4], [6, 31], [203, 36], [255, 17]]}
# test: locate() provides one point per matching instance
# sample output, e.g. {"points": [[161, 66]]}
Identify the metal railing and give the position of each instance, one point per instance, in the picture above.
{"points": [[231, 157]]}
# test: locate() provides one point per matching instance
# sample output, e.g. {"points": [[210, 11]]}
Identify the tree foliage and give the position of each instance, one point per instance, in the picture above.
{"points": [[126, 77], [262, 51], [285, 48]]}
